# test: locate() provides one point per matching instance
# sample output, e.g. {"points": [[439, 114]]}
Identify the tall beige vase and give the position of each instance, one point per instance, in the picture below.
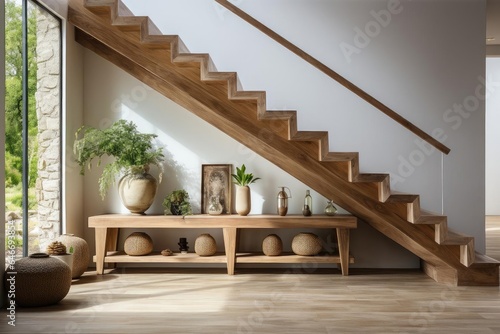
{"points": [[137, 191], [243, 200]]}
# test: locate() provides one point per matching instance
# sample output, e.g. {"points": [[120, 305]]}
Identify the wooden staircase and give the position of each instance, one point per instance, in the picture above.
{"points": [[137, 46]]}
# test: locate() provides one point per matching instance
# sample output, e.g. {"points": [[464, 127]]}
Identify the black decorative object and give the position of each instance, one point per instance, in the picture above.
{"points": [[183, 245]]}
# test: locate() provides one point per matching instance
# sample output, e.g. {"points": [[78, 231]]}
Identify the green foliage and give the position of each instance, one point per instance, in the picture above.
{"points": [[241, 178], [14, 92], [132, 151], [13, 167], [177, 203]]}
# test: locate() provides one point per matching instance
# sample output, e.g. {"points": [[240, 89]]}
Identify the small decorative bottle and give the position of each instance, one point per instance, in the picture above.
{"points": [[215, 207], [183, 245], [307, 210], [330, 209]]}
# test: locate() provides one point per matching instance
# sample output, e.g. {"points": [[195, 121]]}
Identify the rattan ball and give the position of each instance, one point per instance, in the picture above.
{"points": [[272, 245], [205, 245], [306, 244], [138, 243], [80, 250], [38, 280]]}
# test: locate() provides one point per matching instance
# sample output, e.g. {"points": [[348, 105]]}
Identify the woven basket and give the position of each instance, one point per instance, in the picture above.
{"points": [[272, 245], [306, 244], [138, 243], [205, 245]]}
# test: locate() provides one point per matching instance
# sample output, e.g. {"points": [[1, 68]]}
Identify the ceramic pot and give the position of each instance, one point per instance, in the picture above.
{"points": [[80, 250], [39, 280], [243, 200], [66, 258], [137, 191]]}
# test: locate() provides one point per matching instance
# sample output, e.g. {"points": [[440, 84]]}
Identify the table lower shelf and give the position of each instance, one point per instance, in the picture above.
{"points": [[156, 257]]}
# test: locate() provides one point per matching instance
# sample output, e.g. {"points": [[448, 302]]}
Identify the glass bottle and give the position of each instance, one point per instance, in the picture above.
{"points": [[215, 207], [330, 209], [307, 210]]}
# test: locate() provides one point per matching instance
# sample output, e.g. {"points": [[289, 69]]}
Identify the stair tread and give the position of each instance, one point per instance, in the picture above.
{"points": [[340, 156], [278, 114], [402, 198], [485, 259], [454, 238], [371, 177], [430, 219], [309, 135]]}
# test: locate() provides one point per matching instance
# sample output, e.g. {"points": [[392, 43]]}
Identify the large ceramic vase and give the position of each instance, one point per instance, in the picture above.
{"points": [[80, 250], [137, 191], [243, 200]]}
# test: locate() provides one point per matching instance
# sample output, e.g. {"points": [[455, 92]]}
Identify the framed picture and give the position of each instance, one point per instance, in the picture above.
{"points": [[216, 182]]}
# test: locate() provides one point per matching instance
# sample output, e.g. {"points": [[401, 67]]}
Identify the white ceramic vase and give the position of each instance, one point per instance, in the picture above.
{"points": [[243, 200], [137, 191]]}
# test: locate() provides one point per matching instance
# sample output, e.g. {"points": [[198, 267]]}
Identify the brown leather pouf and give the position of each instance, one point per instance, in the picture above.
{"points": [[39, 280]]}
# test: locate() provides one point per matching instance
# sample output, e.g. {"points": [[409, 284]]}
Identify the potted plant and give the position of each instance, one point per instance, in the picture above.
{"points": [[177, 203], [242, 180], [133, 154]]}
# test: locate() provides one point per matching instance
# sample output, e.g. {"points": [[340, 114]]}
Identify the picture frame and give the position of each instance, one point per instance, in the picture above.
{"points": [[216, 181]]}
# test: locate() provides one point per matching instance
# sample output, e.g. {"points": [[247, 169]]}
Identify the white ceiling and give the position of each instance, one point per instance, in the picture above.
{"points": [[493, 22]]}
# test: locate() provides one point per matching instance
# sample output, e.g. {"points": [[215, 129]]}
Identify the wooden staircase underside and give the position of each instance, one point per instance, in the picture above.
{"points": [[134, 44]]}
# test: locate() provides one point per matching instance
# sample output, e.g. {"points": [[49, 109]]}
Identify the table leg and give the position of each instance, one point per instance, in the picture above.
{"points": [[343, 242], [230, 247], [105, 240]]}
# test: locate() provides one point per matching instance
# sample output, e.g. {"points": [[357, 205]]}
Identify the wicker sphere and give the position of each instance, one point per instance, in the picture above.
{"points": [[272, 245], [138, 243], [205, 245], [80, 253], [306, 244], [40, 280]]}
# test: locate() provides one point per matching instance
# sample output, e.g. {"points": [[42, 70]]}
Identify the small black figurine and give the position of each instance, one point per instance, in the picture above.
{"points": [[183, 245]]}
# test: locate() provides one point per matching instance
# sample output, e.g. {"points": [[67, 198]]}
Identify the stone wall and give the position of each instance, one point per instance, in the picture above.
{"points": [[48, 107]]}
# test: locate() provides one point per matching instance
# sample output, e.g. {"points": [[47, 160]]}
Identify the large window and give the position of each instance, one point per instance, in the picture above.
{"points": [[33, 126]]}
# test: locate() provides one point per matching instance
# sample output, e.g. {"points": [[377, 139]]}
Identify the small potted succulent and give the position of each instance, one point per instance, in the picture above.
{"points": [[133, 155], [177, 203], [242, 180]]}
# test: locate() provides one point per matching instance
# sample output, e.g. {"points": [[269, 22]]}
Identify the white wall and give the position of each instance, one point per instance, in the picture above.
{"points": [[493, 138], [411, 64]]}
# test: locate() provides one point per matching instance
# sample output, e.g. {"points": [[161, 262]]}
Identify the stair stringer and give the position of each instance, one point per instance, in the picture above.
{"points": [[191, 81]]}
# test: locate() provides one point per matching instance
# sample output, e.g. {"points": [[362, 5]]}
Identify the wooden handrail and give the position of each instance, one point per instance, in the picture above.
{"points": [[334, 75]]}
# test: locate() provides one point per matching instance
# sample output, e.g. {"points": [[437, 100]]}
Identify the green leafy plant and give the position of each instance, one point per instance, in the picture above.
{"points": [[177, 203], [132, 151], [241, 178]]}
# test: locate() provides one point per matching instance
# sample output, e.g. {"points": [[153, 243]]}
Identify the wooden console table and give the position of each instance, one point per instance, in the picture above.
{"points": [[107, 228]]}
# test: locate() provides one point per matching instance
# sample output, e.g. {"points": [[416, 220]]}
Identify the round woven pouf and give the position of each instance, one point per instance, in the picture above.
{"points": [[138, 243], [306, 244], [39, 280], [272, 245], [205, 245], [80, 250]]}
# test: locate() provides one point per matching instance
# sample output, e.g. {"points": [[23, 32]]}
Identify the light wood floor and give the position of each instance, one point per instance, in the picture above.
{"points": [[267, 301]]}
